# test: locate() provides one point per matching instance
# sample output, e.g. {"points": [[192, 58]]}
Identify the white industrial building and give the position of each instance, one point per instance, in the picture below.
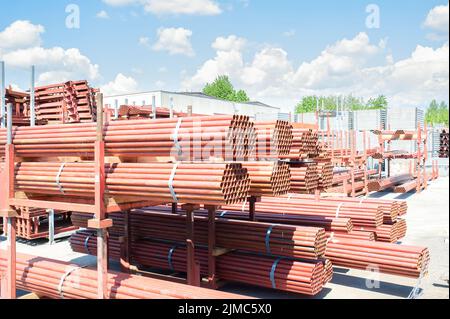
{"points": [[182, 101]]}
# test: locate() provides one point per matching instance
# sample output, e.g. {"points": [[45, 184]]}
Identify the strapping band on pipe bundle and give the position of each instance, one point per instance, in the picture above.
{"points": [[175, 137], [172, 177], [64, 277], [58, 178], [273, 270]]}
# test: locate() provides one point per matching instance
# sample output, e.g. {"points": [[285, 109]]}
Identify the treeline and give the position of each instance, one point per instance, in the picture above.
{"points": [[348, 103], [437, 113]]}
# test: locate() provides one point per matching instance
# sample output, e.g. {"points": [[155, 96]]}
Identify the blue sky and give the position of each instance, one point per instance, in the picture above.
{"points": [[277, 50]]}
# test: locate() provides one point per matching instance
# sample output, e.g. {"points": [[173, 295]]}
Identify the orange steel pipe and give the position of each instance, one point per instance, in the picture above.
{"points": [[61, 280]]}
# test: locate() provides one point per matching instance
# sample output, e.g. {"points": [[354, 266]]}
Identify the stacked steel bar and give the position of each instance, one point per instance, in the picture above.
{"points": [[444, 144], [280, 240], [268, 178], [132, 112], [33, 223], [61, 280], [85, 101], [303, 277], [56, 103], [304, 178], [369, 215], [386, 183], [401, 260], [193, 138], [274, 139], [21, 111], [214, 184]]}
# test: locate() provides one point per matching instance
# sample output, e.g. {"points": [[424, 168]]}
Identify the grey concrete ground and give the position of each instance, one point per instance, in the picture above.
{"points": [[428, 225]]}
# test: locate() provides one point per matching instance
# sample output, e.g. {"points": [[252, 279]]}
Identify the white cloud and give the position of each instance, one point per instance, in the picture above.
{"points": [[175, 41], [350, 66], [21, 34], [54, 64], [122, 84], [176, 7], [103, 15], [437, 19], [229, 43], [21, 44], [289, 34]]}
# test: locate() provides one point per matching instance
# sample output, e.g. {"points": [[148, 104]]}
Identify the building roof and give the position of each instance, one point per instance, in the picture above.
{"points": [[201, 95]]}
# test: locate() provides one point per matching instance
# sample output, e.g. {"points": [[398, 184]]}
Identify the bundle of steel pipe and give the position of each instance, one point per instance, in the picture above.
{"points": [[329, 224], [279, 240], [411, 185], [303, 277], [325, 171], [268, 178], [390, 233], [61, 280], [304, 144], [274, 139], [214, 184], [386, 183], [359, 235], [391, 209], [190, 138], [304, 178], [369, 215], [401, 260]]}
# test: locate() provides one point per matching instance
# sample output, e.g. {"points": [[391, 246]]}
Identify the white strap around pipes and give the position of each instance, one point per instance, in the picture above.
{"points": [[338, 210], [175, 137], [64, 277], [172, 177], [58, 178]]}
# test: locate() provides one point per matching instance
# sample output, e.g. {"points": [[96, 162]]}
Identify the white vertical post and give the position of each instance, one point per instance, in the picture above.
{"points": [[32, 98], [2, 97], [154, 107], [116, 109], [51, 226], [171, 107]]}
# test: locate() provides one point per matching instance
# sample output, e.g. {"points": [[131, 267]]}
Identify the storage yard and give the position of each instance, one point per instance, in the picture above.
{"points": [[149, 203]]}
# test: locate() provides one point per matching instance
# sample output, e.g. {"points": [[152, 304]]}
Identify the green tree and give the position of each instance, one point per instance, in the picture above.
{"points": [[437, 113], [379, 103], [222, 88]]}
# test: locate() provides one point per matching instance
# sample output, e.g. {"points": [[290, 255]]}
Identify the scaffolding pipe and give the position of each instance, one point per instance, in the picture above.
{"points": [[154, 107]]}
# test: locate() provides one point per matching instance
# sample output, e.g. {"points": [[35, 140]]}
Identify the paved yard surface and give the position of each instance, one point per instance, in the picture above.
{"points": [[428, 225]]}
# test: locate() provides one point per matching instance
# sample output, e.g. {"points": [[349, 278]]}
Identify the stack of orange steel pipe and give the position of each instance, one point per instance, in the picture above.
{"points": [[268, 178], [402, 260], [61, 280], [190, 138], [361, 215], [274, 139], [304, 178], [411, 185], [303, 277], [382, 184], [292, 218], [325, 171], [214, 184], [392, 209], [280, 240], [304, 143]]}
